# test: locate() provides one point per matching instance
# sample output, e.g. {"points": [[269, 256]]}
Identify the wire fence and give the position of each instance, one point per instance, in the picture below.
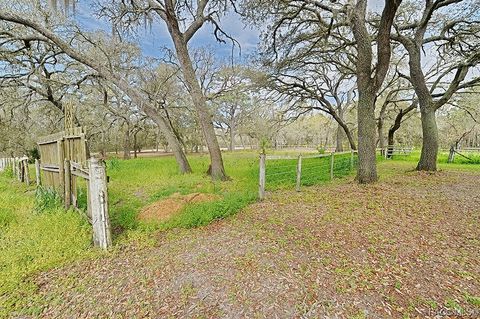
{"points": [[281, 172]]}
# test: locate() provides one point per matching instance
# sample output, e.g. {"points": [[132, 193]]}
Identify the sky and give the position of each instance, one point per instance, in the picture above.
{"points": [[153, 40]]}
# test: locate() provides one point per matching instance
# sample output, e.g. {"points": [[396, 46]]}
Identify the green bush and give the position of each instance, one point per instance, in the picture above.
{"points": [[33, 154], [46, 198], [321, 149]]}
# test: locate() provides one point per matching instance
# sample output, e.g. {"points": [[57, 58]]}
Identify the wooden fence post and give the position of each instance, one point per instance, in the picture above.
{"points": [[332, 159], [68, 184], [15, 168], [261, 179], [22, 170], [299, 173], [98, 200], [451, 155], [37, 172], [26, 172], [61, 169]]}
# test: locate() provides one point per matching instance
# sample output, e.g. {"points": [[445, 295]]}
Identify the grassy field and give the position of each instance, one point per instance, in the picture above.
{"points": [[36, 234], [443, 158], [139, 182]]}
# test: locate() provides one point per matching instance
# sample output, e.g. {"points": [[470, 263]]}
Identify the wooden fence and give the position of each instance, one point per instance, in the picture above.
{"points": [[462, 152], [298, 168], [391, 150], [64, 161], [97, 192], [54, 150], [97, 198], [19, 168]]}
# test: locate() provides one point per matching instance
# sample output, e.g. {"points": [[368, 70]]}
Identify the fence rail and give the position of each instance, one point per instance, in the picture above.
{"points": [[390, 150], [276, 171]]}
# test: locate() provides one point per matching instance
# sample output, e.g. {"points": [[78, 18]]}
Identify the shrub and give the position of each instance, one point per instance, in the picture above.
{"points": [[46, 198]]}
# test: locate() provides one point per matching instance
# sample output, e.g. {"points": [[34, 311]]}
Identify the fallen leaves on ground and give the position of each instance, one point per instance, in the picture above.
{"points": [[408, 246]]}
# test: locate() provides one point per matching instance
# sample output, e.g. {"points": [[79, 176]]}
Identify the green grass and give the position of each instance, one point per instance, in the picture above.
{"points": [[33, 240], [36, 234], [138, 182], [442, 158]]}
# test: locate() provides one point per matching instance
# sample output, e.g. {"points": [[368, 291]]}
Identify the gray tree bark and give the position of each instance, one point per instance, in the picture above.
{"points": [[216, 170], [369, 85], [428, 157], [126, 144]]}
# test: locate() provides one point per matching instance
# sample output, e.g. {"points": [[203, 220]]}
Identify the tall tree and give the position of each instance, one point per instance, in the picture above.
{"points": [[340, 33], [92, 54], [369, 80], [183, 20], [450, 28]]}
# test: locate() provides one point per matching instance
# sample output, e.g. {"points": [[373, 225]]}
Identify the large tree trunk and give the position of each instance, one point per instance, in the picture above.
{"points": [[216, 170], [367, 159], [340, 135], [428, 158], [172, 140], [368, 86]]}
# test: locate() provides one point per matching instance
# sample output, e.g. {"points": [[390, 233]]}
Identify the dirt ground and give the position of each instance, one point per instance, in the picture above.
{"points": [[406, 247], [163, 209]]}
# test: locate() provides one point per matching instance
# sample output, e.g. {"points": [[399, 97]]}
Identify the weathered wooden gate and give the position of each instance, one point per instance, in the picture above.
{"points": [[54, 149], [63, 159]]}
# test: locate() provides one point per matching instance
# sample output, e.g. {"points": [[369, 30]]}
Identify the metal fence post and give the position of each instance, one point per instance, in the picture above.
{"points": [[332, 159], [299, 173], [261, 178]]}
